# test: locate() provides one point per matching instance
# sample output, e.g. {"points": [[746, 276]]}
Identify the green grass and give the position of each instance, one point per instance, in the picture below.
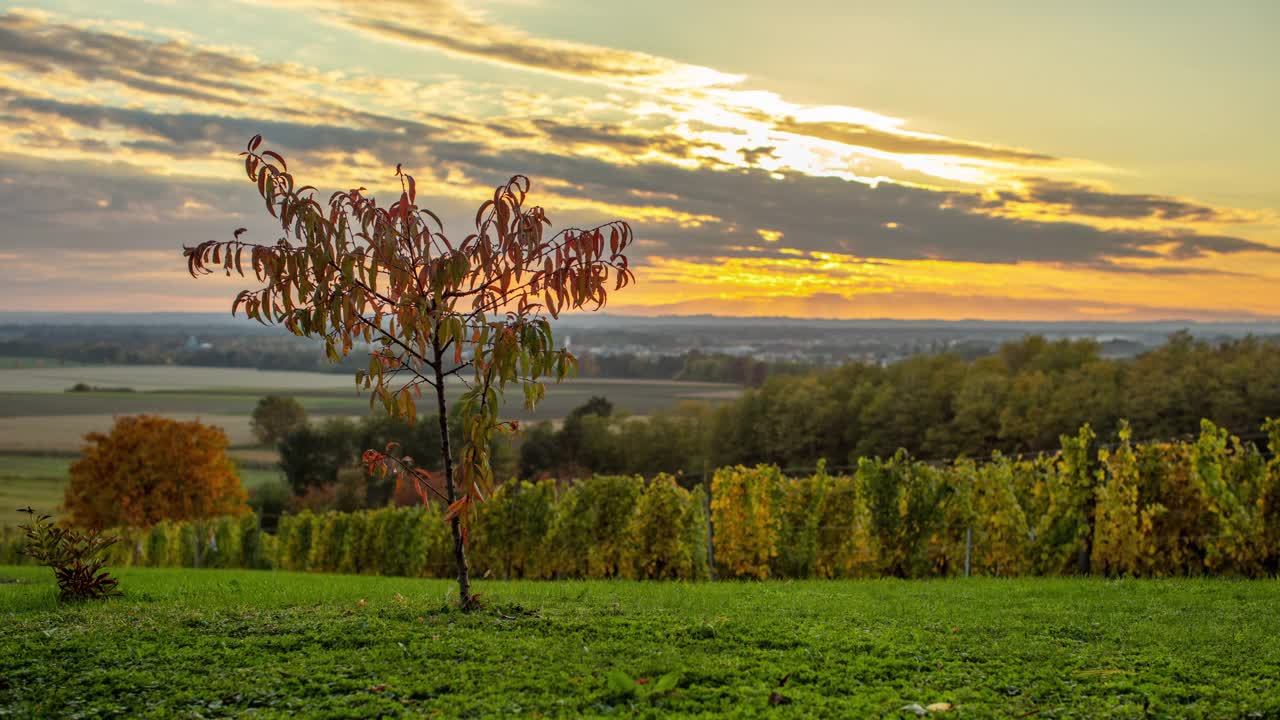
{"points": [[223, 643]]}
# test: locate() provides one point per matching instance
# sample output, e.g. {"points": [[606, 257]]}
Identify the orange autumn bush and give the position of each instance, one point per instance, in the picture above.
{"points": [[149, 469]]}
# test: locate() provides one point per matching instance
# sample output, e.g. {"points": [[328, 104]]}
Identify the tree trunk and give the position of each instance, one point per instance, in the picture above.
{"points": [[455, 524]]}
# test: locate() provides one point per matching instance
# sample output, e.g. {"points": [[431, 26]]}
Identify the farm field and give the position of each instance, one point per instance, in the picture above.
{"points": [[221, 643], [37, 414], [40, 480]]}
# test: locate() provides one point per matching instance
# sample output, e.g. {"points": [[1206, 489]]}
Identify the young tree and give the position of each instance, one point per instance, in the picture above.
{"points": [[149, 469], [275, 417], [430, 307]]}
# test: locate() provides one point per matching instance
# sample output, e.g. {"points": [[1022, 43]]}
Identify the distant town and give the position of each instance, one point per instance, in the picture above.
{"points": [[609, 345]]}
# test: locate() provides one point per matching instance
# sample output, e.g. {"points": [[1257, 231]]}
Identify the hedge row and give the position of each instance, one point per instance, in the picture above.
{"points": [[1208, 506], [604, 527], [228, 542]]}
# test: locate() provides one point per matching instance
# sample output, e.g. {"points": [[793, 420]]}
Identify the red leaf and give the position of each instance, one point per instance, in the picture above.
{"points": [[241, 231], [254, 142], [456, 508], [273, 154]]}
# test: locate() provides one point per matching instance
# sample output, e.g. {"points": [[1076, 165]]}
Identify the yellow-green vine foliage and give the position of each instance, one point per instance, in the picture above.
{"points": [[1208, 506], [745, 520], [1233, 480], [1062, 498], [295, 533], [430, 552], [1271, 495], [799, 503], [907, 504], [589, 534], [846, 541], [986, 500], [1175, 515], [325, 554], [510, 531], [666, 533], [1122, 528]]}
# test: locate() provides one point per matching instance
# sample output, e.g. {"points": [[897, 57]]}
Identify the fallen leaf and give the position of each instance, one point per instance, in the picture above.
{"points": [[916, 708], [642, 681], [362, 602], [398, 598], [939, 707], [378, 688], [777, 698]]}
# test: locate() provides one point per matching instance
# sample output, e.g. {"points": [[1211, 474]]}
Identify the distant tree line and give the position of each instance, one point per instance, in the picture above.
{"points": [[1019, 400], [267, 352]]}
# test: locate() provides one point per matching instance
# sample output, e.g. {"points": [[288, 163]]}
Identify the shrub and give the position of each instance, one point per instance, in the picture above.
{"points": [[76, 557]]}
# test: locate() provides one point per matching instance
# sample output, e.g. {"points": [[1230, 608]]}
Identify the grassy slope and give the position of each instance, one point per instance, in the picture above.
{"points": [[191, 643]]}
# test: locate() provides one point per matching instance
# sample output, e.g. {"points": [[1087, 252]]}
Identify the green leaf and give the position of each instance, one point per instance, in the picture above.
{"points": [[620, 682], [666, 683]]}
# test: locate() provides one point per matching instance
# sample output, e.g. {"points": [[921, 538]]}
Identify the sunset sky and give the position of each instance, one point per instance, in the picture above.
{"points": [[1002, 160]]}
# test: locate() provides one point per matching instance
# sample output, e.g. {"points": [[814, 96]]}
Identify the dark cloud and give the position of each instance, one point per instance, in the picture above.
{"points": [[834, 215], [164, 68], [877, 139], [1083, 199], [622, 138]]}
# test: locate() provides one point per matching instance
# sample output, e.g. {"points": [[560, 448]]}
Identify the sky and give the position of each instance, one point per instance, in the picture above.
{"points": [[813, 158]]}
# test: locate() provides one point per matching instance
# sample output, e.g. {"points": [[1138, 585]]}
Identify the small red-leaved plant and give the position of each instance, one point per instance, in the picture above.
{"points": [[75, 556]]}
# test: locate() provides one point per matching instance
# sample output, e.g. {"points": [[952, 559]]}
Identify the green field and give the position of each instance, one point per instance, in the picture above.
{"points": [[37, 414], [39, 481], [8, 362], [228, 643]]}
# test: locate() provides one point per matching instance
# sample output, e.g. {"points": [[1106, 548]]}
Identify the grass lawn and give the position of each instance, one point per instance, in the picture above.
{"points": [[221, 643]]}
